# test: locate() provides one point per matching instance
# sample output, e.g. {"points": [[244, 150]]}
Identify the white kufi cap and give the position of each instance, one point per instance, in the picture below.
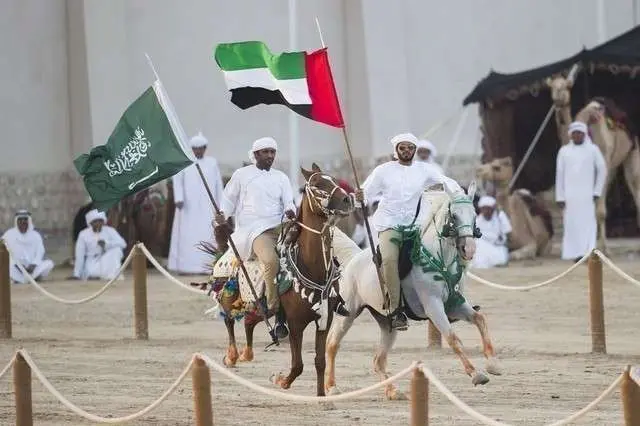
{"points": [[198, 141], [486, 201], [262, 143], [95, 215], [426, 144], [403, 137], [578, 126]]}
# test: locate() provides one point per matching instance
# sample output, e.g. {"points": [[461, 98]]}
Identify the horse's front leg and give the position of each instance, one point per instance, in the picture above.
{"points": [[296, 330], [339, 327], [247, 352], [232, 351], [387, 339], [320, 360]]}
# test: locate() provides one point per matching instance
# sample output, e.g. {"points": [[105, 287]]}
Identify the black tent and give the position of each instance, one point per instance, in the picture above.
{"points": [[512, 107]]}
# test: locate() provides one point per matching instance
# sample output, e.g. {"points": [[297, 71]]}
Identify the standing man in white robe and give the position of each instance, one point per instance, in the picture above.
{"points": [[581, 173], [400, 185], [194, 211], [491, 248], [258, 197], [99, 249], [427, 152], [27, 249]]}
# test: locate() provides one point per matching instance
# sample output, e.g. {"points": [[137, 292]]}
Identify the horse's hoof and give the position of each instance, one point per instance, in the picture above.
{"points": [[227, 362], [333, 390], [493, 367], [480, 378], [246, 356], [396, 395], [279, 380]]}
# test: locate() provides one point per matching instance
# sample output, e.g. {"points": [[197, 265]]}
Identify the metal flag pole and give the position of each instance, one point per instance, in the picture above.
{"points": [[536, 138], [365, 209], [262, 310]]}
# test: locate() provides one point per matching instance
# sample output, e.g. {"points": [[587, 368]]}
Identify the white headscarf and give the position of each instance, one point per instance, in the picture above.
{"points": [[95, 215], [426, 144], [262, 143], [22, 213], [486, 201], [402, 137], [198, 141], [579, 126]]}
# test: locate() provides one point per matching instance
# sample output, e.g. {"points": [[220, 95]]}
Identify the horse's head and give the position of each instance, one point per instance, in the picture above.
{"points": [[325, 195], [462, 215]]}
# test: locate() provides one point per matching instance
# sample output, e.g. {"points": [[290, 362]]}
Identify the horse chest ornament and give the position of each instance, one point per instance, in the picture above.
{"points": [[316, 294]]}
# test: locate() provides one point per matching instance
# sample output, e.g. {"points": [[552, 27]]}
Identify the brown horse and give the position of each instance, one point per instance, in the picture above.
{"points": [[306, 282]]}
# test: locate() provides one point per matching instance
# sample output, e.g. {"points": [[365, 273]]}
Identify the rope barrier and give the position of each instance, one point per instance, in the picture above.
{"points": [[166, 273], [7, 367], [488, 421], [616, 269], [532, 286], [92, 417], [74, 301], [302, 398]]}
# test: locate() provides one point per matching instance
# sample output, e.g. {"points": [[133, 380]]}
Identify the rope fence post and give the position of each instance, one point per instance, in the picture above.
{"points": [[22, 391], [5, 293], [141, 320], [419, 399], [201, 382], [630, 394], [435, 338], [596, 305]]}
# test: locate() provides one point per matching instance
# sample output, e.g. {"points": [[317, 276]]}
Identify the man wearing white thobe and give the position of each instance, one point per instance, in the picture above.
{"points": [[427, 152], [491, 248], [27, 249], [581, 173], [259, 197], [400, 185], [99, 249], [194, 211]]}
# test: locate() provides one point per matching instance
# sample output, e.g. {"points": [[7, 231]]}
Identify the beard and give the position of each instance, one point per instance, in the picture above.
{"points": [[406, 156]]}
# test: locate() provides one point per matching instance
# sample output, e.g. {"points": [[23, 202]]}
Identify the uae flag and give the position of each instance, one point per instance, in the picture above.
{"points": [[299, 80]]}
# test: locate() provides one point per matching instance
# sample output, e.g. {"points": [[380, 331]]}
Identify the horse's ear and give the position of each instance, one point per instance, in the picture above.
{"points": [[315, 168], [471, 192], [306, 173], [447, 189], [569, 84]]}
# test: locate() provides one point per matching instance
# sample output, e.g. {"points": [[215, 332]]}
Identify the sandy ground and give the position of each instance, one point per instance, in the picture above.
{"points": [[542, 338]]}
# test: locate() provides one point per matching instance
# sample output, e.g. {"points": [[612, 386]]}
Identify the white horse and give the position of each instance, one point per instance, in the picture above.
{"points": [[432, 289]]}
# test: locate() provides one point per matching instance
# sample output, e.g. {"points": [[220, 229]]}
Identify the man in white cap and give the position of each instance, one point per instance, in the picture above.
{"points": [[427, 152], [581, 173], [194, 212], [258, 197], [99, 249], [491, 248], [399, 184], [27, 249]]}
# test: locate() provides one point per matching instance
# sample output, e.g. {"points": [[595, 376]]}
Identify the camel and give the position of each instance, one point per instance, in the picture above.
{"points": [[561, 96], [611, 131], [530, 220]]}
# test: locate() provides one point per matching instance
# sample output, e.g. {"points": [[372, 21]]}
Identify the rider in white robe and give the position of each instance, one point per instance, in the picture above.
{"points": [[491, 248], [27, 248], [259, 197], [194, 211], [99, 249], [428, 152], [581, 173]]}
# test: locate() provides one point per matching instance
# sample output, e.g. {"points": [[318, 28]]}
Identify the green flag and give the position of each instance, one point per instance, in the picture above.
{"points": [[146, 147]]}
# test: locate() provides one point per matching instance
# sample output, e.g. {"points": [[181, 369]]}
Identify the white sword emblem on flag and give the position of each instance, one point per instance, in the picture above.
{"points": [[132, 185]]}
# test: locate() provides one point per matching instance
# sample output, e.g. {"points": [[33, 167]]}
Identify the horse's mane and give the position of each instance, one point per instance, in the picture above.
{"points": [[437, 215]]}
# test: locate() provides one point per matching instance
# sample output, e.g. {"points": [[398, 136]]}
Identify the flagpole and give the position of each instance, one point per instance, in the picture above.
{"points": [[365, 210], [262, 310], [294, 124]]}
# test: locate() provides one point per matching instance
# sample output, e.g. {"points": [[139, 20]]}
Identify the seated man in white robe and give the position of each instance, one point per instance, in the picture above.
{"points": [[491, 248], [27, 249], [99, 249]]}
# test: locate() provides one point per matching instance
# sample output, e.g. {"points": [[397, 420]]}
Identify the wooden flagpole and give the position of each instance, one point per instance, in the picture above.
{"points": [[263, 311], [365, 210]]}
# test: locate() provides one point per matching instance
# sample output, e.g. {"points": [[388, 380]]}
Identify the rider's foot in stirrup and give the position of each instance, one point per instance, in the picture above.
{"points": [[399, 321]]}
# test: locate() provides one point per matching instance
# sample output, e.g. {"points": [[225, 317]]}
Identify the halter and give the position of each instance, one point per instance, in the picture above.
{"points": [[322, 197]]}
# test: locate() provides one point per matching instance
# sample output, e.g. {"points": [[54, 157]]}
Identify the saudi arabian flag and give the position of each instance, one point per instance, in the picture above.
{"points": [[145, 147], [299, 80]]}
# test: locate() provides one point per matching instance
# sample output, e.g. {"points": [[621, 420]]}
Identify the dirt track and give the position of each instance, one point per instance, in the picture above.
{"points": [[542, 338]]}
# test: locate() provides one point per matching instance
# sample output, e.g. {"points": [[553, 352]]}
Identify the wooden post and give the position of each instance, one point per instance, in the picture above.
{"points": [[596, 305], [435, 338], [22, 391], [5, 293], [630, 394], [201, 382], [419, 399], [140, 319]]}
